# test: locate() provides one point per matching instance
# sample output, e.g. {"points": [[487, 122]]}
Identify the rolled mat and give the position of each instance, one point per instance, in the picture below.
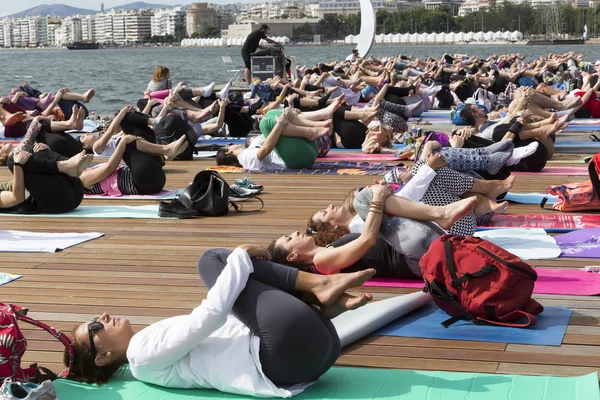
{"points": [[569, 282], [556, 223], [366, 384], [149, 211], [426, 323], [356, 324]]}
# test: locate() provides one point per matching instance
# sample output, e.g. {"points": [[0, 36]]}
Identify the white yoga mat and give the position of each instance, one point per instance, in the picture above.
{"points": [[356, 324], [7, 278], [39, 242], [527, 243], [88, 127]]}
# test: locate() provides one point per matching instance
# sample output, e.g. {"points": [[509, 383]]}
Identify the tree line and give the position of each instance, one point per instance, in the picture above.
{"points": [[501, 17]]}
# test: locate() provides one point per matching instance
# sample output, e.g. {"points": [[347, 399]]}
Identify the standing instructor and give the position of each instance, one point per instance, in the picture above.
{"points": [[252, 43]]}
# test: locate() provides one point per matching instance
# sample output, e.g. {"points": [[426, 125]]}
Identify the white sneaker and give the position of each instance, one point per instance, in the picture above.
{"points": [[27, 391]]}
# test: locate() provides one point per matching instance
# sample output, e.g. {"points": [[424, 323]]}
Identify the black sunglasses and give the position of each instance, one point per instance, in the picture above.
{"points": [[93, 327]]}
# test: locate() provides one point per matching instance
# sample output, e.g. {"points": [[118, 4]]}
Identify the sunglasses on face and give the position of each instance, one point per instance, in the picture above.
{"points": [[93, 327]]}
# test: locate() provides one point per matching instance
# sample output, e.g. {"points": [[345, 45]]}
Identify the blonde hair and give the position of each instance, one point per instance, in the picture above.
{"points": [[161, 73], [348, 202]]}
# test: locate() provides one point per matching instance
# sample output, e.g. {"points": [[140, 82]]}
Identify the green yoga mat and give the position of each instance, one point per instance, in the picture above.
{"points": [[106, 211], [368, 384]]}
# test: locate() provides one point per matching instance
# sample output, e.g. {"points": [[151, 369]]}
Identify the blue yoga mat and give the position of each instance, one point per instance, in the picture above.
{"points": [[426, 323], [529, 198], [222, 141]]}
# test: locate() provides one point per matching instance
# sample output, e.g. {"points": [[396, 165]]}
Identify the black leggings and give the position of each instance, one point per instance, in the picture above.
{"points": [[351, 132], [395, 94], [535, 162], [60, 142], [147, 171], [240, 125], [51, 192], [387, 262], [297, 344]]}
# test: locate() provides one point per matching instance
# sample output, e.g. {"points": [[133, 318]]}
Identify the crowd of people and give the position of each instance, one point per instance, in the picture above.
{"points": [[280, 338]]}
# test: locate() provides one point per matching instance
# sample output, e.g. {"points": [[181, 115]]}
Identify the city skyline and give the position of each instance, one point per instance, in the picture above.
{"points": [[12, 8]]}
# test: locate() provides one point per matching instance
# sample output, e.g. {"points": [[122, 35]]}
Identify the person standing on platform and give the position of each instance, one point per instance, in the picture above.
{"points": [[252, 43]]}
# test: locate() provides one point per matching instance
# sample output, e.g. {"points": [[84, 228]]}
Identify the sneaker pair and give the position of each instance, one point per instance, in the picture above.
{"points": [[248, 183], [239, 192], [27, 391]]}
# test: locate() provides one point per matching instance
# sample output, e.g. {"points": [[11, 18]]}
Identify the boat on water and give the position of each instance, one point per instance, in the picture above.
{"points": [[541, 42], [83, 46]]}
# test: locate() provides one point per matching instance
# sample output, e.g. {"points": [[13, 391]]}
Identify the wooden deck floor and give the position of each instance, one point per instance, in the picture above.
{"points": [[146, 270]]}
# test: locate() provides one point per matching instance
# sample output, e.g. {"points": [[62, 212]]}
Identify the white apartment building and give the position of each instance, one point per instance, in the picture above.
{"points": [[468, 7], [292, 10], [164, 22], [118, 28], [87, 28], [138, 26], [349, 7], [7, 33]]}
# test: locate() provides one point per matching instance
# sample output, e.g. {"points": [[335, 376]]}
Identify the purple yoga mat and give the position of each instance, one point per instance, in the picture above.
{"points": [[550, 281], [583, 243]]}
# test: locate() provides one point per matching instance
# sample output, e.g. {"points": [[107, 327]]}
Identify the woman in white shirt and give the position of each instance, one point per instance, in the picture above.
{"points": [[274, 345]]}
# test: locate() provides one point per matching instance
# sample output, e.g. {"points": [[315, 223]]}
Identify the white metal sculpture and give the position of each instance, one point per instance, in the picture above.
{"points": [[367, 27]]}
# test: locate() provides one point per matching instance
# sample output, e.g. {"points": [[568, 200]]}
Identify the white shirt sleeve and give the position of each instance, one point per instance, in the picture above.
{"points": [[415, 188], [164, 343], [249, 159]]}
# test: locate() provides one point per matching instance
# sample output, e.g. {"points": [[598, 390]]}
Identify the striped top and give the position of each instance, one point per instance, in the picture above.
{"points": [[165, 84], [124, 183]]}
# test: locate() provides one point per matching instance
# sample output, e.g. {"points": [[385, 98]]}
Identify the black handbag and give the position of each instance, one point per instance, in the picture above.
{"points": [[208, 195]]}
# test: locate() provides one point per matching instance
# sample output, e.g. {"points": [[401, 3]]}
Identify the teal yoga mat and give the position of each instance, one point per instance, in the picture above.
{"points": [[367, 384], [105, 211], [426, 323]]}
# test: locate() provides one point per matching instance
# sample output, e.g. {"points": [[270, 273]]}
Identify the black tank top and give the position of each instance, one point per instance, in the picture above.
{"points": [[382, 257]]}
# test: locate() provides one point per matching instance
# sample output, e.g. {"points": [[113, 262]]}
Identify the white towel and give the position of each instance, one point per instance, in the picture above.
{"points": [[39, 242], [526, 243]]}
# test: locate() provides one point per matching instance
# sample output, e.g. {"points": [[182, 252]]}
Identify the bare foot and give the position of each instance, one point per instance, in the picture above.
{"points": [[455, 211], [87, 96], [75, 165], [80, 118], [74, 115], [552, 118], [485, 205], [344, 303], [176, 148], [499, 187], [331, 287]]}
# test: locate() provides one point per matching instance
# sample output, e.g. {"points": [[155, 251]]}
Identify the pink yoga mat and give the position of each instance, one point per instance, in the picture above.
{"points": [[358, 157], [558, 222], [550, 281], [557, 170], [157, 196]]}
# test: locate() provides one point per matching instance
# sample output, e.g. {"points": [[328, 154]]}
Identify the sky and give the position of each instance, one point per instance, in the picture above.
{"points": [[11, 7]]}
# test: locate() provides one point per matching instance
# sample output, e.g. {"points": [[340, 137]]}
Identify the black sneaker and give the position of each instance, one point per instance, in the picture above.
{"points": [[174, 209]]}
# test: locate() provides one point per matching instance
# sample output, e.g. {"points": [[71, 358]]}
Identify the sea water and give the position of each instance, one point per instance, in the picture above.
{"points": [[121, 75]]}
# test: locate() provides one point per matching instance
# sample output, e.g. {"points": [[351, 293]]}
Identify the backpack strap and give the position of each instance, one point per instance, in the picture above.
{"points": [[239, 207], [64, 339], [456, 281], [441, 294], [512, 316]]}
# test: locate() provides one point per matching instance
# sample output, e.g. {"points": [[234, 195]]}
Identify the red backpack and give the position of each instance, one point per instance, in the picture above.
{"points": [[473, 279], [13, 345]]}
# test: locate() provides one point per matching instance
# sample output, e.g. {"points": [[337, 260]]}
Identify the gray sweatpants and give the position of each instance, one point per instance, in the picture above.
{"points": [[297, 343], [408, 237]]}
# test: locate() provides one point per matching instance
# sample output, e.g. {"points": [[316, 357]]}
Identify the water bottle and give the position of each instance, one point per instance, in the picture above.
{"points": [[93, 116], [414, 131], [408, 139]]}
